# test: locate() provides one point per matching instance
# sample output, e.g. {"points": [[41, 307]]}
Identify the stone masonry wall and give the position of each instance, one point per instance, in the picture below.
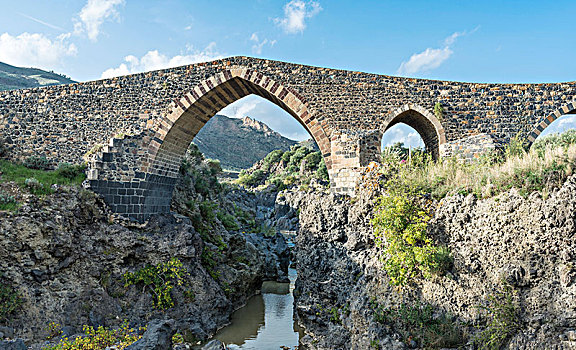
{"points": [[64, 122], [345, 112]]}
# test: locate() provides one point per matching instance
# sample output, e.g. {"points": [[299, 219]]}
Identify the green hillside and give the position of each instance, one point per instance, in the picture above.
{"points": [[12, 78]]}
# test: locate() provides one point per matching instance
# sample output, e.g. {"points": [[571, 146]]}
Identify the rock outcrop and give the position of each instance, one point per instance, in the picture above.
{"points": [[66, 255], [528, 244]]}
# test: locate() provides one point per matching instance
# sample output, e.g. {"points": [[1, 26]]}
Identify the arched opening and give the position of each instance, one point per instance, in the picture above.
{"points": [[193, 111], [561, 125], [401, 138], [562, 119], [413, 126]]}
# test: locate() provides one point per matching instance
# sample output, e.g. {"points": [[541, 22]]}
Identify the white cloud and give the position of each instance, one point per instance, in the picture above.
{"points": [[425, 61], [154, 60], [431, 58], [402, 133], [93, 15], [295, 14], [258, 45], [35, 50]]}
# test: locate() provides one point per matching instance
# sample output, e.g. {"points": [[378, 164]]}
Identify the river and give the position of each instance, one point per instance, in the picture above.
{"points": [[266, 322]]}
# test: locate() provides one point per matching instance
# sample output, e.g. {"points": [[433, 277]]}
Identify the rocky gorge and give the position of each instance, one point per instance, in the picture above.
{"points": [[67, 261], [514, 267]]}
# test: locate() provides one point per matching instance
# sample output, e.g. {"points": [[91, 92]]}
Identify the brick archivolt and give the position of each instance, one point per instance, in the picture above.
{"points": [[175, 132]]}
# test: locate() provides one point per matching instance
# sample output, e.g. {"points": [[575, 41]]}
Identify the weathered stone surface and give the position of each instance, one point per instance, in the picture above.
{"points": [[65, 256], [158, 336], [17, 344], [527, 242]]}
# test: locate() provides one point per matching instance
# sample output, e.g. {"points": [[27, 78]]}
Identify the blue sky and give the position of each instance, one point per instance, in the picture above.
{"points": [[480, 41]]}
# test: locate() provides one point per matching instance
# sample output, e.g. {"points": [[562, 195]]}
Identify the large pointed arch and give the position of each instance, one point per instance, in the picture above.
{"points": [[176, 131], [421, 120], [569, 108]]}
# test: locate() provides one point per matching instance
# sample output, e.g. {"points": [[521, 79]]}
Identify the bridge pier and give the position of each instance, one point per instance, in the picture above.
{"points": [[350, 152]]}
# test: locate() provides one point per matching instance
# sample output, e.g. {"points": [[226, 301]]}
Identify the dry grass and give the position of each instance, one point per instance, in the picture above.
{"points": [[544, 167]]}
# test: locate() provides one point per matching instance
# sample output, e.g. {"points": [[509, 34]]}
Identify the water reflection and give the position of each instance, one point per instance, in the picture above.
{"points": [[266, 322]]}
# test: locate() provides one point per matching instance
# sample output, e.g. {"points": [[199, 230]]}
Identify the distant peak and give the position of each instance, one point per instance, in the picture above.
{"points": [[256, 125]]}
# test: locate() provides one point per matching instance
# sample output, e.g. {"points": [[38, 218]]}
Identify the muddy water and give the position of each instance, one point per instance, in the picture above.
{"points": [[266, 322]]}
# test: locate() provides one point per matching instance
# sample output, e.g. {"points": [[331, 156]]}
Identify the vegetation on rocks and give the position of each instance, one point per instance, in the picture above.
{"points": [[546, 165], [160, 279], [421, 323], [503, 322], [98, 339], [10, 300], [284, 169], [407, 251], [64, 175]]}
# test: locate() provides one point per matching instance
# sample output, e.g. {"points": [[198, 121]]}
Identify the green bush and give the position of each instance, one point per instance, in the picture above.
{"points": [[39, 163], [159, 280], [214, 166], [252, 180], [503, 320], [70, 171], [400, 230], [228, 220], [422, 323], [312, 160], [207, 210], [100, 338], [322, 172], [272, 157], [552, 141], [287, 155], [35, 186], [7, 201], [10, 301]]}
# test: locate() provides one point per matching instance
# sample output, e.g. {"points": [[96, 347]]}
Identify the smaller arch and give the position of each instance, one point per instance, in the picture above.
{"points": [[569, 108], [421, 120]]}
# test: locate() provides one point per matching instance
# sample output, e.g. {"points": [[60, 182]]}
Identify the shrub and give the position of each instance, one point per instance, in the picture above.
{"points": [[100, 338], [400, 230], [422, 323], [7, 201], [272, 157], [214, 166], [439, 111], [39, 163], [312, 160], [35, 186], [228, 221], [287, 155], [10, 301], [503, 320], [70, 171], [322, 172], [159, 280], [252, 180]]}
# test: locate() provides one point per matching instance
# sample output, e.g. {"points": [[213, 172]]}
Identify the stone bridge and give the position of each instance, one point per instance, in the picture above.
{"points": [[134, 130]]}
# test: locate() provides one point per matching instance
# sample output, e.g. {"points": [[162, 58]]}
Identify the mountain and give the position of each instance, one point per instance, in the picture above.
{"points": [[239, 143], [12, 78]]}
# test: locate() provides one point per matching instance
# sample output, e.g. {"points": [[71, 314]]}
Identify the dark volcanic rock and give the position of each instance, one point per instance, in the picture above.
{"points": [[66, 256], [526, 242]]}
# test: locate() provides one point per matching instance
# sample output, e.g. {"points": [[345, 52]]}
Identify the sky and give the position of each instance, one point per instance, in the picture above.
{"points": [[478, 41]]}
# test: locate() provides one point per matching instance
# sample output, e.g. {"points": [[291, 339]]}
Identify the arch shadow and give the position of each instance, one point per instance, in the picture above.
{"points": [[421, 120]]}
